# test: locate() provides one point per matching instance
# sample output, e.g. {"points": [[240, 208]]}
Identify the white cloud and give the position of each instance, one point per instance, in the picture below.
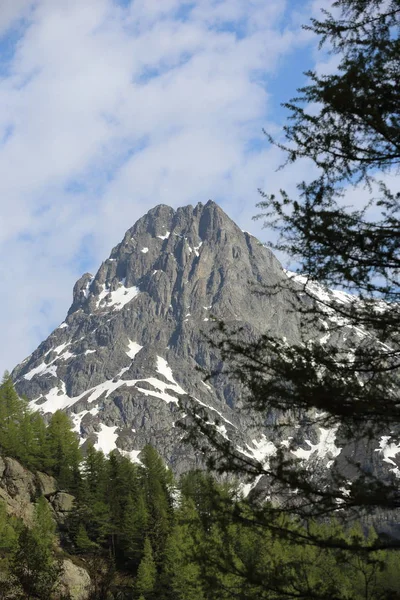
{"points": [[11, 11], [108, 110]]}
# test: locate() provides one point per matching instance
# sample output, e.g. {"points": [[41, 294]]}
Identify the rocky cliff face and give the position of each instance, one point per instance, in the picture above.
{"points": [[19, 489], [135, 337]]}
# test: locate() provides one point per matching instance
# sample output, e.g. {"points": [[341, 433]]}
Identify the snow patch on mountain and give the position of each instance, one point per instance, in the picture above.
{"points": [[246, 488], [42, 369], [133, 455], [159, 394], [59, 348], [320, 292], [164, 369], [106, 438], [134, 348], [214, 410], [263, 450], [118, 298], [57, 399], [66, 355], [389, 450], [77, 418], [326, 446]]}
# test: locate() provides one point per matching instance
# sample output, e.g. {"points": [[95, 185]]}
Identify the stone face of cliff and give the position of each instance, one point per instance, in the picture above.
{"points": [[135, 334], [19, 490], [134, 341]]}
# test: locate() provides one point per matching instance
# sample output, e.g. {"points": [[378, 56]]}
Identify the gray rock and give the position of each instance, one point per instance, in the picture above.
{"points": [[74, 581], [188, 267], [47, 484], [135, 338], [62, 502], [19, 488]]}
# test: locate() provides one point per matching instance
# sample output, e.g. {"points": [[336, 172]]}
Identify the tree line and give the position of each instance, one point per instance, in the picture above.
{"points": [[144, 535]]}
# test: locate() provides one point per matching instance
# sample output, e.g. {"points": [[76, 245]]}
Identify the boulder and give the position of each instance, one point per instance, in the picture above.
{"points": [[46, 484], [74, 581], [62, 502]]}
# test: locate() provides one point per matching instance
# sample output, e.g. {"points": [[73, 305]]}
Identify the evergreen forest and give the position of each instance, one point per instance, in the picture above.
{"points": [[143, 535]]}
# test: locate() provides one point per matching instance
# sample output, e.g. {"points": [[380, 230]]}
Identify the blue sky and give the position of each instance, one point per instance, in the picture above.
{"points": [[109, 107]]}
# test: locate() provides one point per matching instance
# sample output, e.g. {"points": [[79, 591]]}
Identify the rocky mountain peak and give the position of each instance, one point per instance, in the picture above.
{"points": [[136, 332], [134, 342], [183, 260]]}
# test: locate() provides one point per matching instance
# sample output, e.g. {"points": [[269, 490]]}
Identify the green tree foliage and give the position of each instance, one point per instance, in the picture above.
{"points": [[12, 413], [95, 472], [24, 436], [34, 568], [143, 536], [157, 484], [8, 535], [121, 482], [44, 526], [63, 454], [207, 553], [83, 543], [244, 559], [348, 125], [8, 545], [135, 528], [181, 570], [32, 437], [146, 575]]}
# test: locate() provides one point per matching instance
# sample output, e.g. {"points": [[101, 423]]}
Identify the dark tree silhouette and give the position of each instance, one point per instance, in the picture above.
{"points": [[347, 125]]}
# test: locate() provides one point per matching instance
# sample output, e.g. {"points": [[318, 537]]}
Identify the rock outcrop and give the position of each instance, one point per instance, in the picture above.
{"points": [[75, 581], [19, 489]]}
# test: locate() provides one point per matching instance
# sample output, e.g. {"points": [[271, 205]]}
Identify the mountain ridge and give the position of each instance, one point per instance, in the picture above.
{"points": [[134, 342], [135, 333]]}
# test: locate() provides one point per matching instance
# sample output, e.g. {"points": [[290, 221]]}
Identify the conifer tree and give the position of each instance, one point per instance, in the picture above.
{"points": [[83, 543], [39, 451], [121, 484], [94, 469], [44, 526], [181, 576], [34, 568], [8, 535], [157, 482], [347, 123], [63, 450], [101, 522], [12, 410], [134, 529], [22, 432], [146, 575]]}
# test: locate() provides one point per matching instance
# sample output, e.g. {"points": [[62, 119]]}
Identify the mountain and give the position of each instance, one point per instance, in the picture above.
{"points": [[134, 341]]}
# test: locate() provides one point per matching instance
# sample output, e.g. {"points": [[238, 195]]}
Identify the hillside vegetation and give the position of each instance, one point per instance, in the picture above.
{"points": [[141, 535]]}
